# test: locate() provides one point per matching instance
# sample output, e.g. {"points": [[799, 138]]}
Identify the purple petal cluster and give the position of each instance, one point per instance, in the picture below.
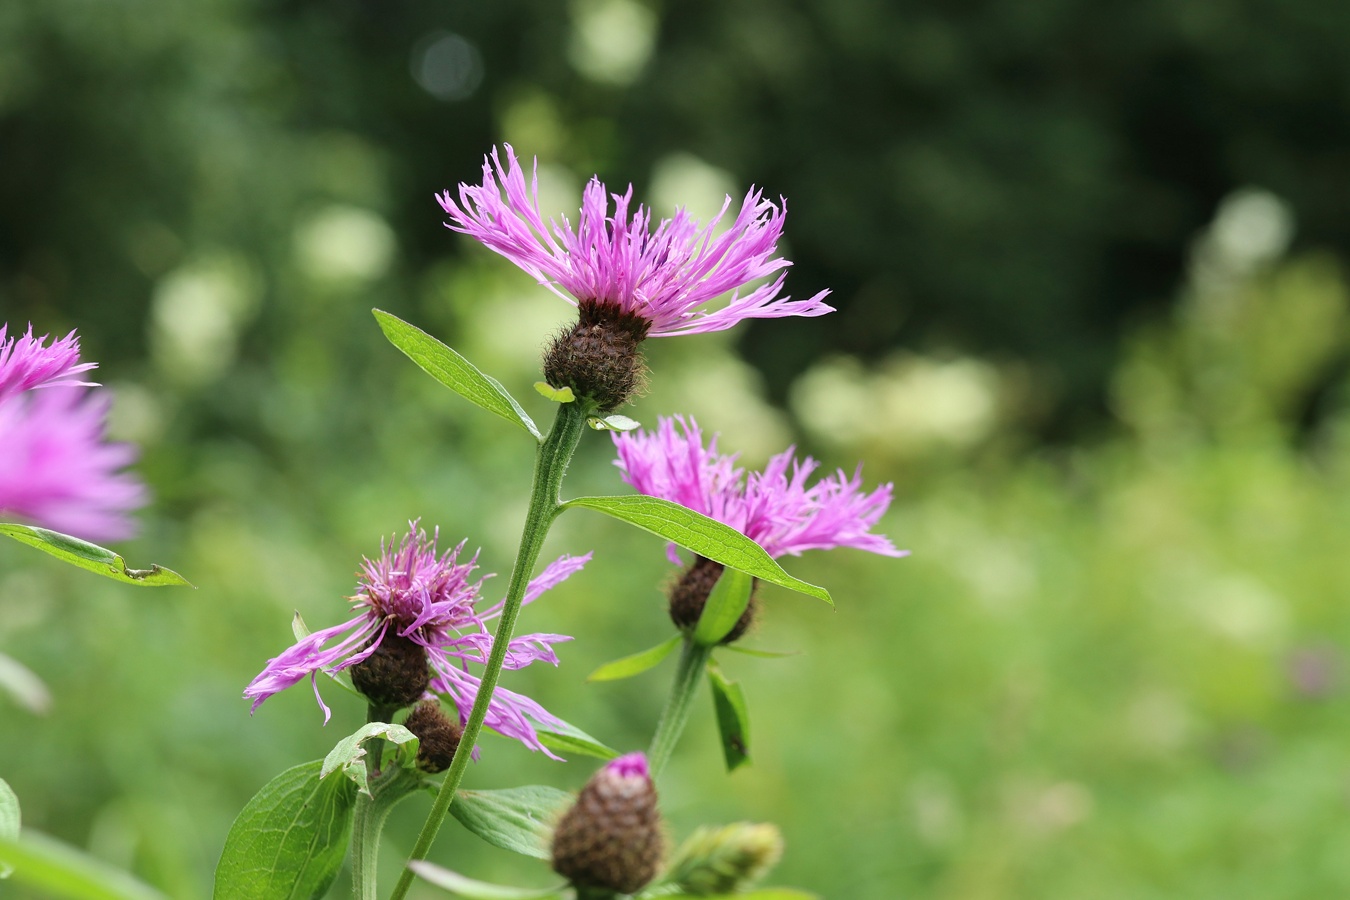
{"points": [[56, 468], [430, 599], [777, 508], [662, 275]]}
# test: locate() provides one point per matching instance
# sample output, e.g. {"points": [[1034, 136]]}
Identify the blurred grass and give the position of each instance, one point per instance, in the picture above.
{"points": [[1115, 669]]}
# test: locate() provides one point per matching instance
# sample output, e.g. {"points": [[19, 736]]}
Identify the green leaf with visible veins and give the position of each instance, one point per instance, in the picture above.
{"points": [[454, 371], [517, 819], [91, 556], [289, 841], [696, 532]]}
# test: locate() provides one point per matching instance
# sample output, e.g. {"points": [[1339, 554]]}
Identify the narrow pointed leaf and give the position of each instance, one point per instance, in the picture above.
{"points": [[60, 870], [733, 718], [762, 654], [289, 841], [453, 370], [635, 664], [9, 820], [761, 894], [727, 601], [696, 532], [470, 889], [350, 756], [91, 556], [568, 738], [24, 687], [516, 819]]}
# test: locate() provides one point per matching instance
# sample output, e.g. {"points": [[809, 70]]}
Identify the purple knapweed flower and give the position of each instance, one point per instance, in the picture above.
{"points": [[613, 260], [57, 470], [412, 593], [775, 508], [28, 362]]}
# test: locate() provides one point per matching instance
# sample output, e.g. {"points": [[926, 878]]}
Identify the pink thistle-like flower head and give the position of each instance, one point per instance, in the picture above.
{"points": [[617, 260], [415, 598], [777, 508], [57, 470]]}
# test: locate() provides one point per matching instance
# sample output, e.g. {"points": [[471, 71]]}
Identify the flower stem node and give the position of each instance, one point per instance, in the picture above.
{"points": [[437, 734], [690, 594], [395, 675], [598, 357], [610, 840]]}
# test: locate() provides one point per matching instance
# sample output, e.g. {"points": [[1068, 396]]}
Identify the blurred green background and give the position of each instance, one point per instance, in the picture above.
{"points": [[1088, 260]]}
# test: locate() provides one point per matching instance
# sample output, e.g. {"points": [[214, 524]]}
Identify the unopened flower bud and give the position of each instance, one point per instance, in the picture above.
{"points": [[598, 358], [395, 675], [437, 735], [726, 860], [690, 595], [610, 840]]}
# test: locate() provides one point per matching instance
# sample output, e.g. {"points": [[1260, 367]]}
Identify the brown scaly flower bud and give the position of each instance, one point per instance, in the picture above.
{"points": [[726, 860], [690, 595], [395, 675], [437, 735], [610, 840], [598, 358]]}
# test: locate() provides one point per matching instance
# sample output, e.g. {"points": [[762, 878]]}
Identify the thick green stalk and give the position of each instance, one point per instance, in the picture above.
{"points": [[549, 467], [693, 660], [367, 821]]}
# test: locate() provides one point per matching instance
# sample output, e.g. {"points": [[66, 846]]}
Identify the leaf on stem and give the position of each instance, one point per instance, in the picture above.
{"points": [[470, 889], [91, 556], [60, 870], [568, 738], [760, 894], [289, 840], [453, 370], [516, 819], [704, 536], [635, 664], [613, 423], [727, 601], [733, 718], [762, 654], [557, 395], [350, 756]]}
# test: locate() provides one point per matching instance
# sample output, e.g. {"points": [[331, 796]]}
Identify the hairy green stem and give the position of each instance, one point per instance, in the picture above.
{"points": [[693, 660], [367, 821], [549, 467]]}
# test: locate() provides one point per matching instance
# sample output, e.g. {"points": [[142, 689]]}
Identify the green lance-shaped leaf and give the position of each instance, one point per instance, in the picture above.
{"points": [[557, 395], [733, 718], [727, 601], [60, 870], [289, 841], [635, 664], [350, 756], [516, 819], [9, 820], [91, 556], [470, 889], [695, 531], [762, 654], [568, 738], [454, 371]]}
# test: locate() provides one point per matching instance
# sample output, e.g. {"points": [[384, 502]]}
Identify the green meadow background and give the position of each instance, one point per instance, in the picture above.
{"points": [[1089, 261]]}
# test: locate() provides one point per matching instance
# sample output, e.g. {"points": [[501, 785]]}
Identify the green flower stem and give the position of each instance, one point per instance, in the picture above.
{"points": [[693, 661], [549, 467], [368, 823]]}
